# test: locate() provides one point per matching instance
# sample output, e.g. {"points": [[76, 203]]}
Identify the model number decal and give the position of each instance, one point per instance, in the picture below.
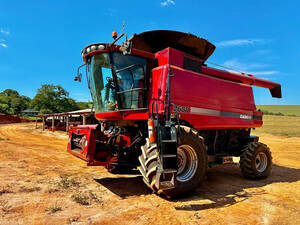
{"points": [[181, 109]]}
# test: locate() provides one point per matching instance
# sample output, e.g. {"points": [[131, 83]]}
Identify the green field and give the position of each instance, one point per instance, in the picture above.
{"points": [[287, 110], [280, 125], [288, 124]]}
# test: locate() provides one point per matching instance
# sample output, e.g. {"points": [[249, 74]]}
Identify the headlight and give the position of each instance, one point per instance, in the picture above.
{"points": [[88, 50], [93, 47]]}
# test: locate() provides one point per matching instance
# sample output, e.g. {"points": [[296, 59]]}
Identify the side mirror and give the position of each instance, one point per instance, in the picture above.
{"points": [[78, 77]]}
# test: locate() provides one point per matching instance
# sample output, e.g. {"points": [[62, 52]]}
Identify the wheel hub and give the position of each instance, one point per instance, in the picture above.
{"points": [[187, 163], [261, 162]]}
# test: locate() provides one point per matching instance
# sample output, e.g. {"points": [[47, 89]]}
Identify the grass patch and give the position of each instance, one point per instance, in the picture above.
{"points": [[280, 125], [80, 199], [31, 118], [53, 209], [95, 198], [4, 139], [66, 182], [286, 110]]}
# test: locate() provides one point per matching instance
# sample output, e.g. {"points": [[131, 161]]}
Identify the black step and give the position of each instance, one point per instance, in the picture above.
{"points": [[169, 156], [168, 141], [169, 171]]}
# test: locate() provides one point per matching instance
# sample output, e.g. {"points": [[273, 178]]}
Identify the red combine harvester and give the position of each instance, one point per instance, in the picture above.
{"points": [[162, 110]]}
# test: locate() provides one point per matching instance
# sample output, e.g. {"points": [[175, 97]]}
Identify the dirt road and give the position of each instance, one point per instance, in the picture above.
{"points": [[40, 183]]}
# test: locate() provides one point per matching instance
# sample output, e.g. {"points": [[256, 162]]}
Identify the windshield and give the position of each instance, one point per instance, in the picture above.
{"points": [[130, 71]]}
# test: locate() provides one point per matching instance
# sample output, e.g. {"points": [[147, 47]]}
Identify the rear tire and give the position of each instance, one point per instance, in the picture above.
{"points": [[192, 163], [256, 161]]}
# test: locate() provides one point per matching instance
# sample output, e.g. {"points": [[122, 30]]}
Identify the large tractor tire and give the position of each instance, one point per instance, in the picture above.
{"points": [[256, 161], [191, 160]]}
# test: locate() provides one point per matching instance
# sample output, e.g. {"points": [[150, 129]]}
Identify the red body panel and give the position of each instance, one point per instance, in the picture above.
{"points": [[124, 115], [205, 101], [211, 98], [86, 152]]}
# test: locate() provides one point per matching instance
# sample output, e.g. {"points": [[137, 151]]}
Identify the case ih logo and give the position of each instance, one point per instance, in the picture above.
{"points": [[245, 116], [181, 109]]}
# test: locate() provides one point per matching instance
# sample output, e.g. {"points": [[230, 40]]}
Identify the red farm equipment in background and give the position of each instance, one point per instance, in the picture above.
{"points": [[162, 110]]}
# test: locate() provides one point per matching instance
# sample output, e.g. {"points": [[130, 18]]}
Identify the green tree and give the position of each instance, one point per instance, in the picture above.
{"points": [[84, 105], [53, 99], [9, 92], [13, 103]]}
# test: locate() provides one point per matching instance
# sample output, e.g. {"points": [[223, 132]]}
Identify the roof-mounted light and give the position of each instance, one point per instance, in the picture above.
{"points": [[114, 35], [101, 47], [93, 48]]}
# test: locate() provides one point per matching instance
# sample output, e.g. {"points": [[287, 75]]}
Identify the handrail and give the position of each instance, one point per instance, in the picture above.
{"points": [[131, 90]]}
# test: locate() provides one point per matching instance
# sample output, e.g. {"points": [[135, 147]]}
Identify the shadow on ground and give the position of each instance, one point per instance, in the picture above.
{"points": [[125, 186], [223, 187]]}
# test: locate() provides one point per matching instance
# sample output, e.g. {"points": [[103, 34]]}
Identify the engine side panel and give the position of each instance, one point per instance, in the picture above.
{"points": [[204, 101]]}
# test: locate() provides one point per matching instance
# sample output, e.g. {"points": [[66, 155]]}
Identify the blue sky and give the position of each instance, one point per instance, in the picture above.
{"points": [[41, 41]]}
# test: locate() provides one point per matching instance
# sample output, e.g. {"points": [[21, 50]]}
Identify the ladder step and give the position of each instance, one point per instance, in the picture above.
{"points": [[168, 141], [169, 156], [170, 171], [166, 185]]}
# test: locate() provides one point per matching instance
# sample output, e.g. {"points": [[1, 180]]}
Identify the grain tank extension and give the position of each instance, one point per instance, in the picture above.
{"points": [[163, 111]]}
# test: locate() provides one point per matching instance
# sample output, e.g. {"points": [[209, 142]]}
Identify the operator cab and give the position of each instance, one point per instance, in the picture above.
{"points": [[130, 81], [119, 76], [117, 82]]}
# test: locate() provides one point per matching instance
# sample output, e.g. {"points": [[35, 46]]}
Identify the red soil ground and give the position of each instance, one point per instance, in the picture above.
{"points": [[4, 119], [40, 183]]}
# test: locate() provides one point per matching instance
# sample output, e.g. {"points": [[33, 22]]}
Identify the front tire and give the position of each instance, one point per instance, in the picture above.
{"points": [[256, 161], [191, 159]]}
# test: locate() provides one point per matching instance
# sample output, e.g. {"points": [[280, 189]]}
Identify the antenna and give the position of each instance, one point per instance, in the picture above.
{"points": [[123, 25]]}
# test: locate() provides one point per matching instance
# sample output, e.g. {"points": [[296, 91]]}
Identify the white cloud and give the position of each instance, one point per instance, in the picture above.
{"points": [[167, 2], [3, 45], [2, 31], [270, 72], [236, 64], [239, 42]]}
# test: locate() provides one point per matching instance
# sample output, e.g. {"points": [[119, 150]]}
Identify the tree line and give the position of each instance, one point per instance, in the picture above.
{"points": [[49, 99]]}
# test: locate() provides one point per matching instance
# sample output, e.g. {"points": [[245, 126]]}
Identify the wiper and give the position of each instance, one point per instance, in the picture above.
{"points": [[129, 67]]}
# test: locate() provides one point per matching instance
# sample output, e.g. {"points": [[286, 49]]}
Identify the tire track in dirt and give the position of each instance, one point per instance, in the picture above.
{"points": [[34, 167]]}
